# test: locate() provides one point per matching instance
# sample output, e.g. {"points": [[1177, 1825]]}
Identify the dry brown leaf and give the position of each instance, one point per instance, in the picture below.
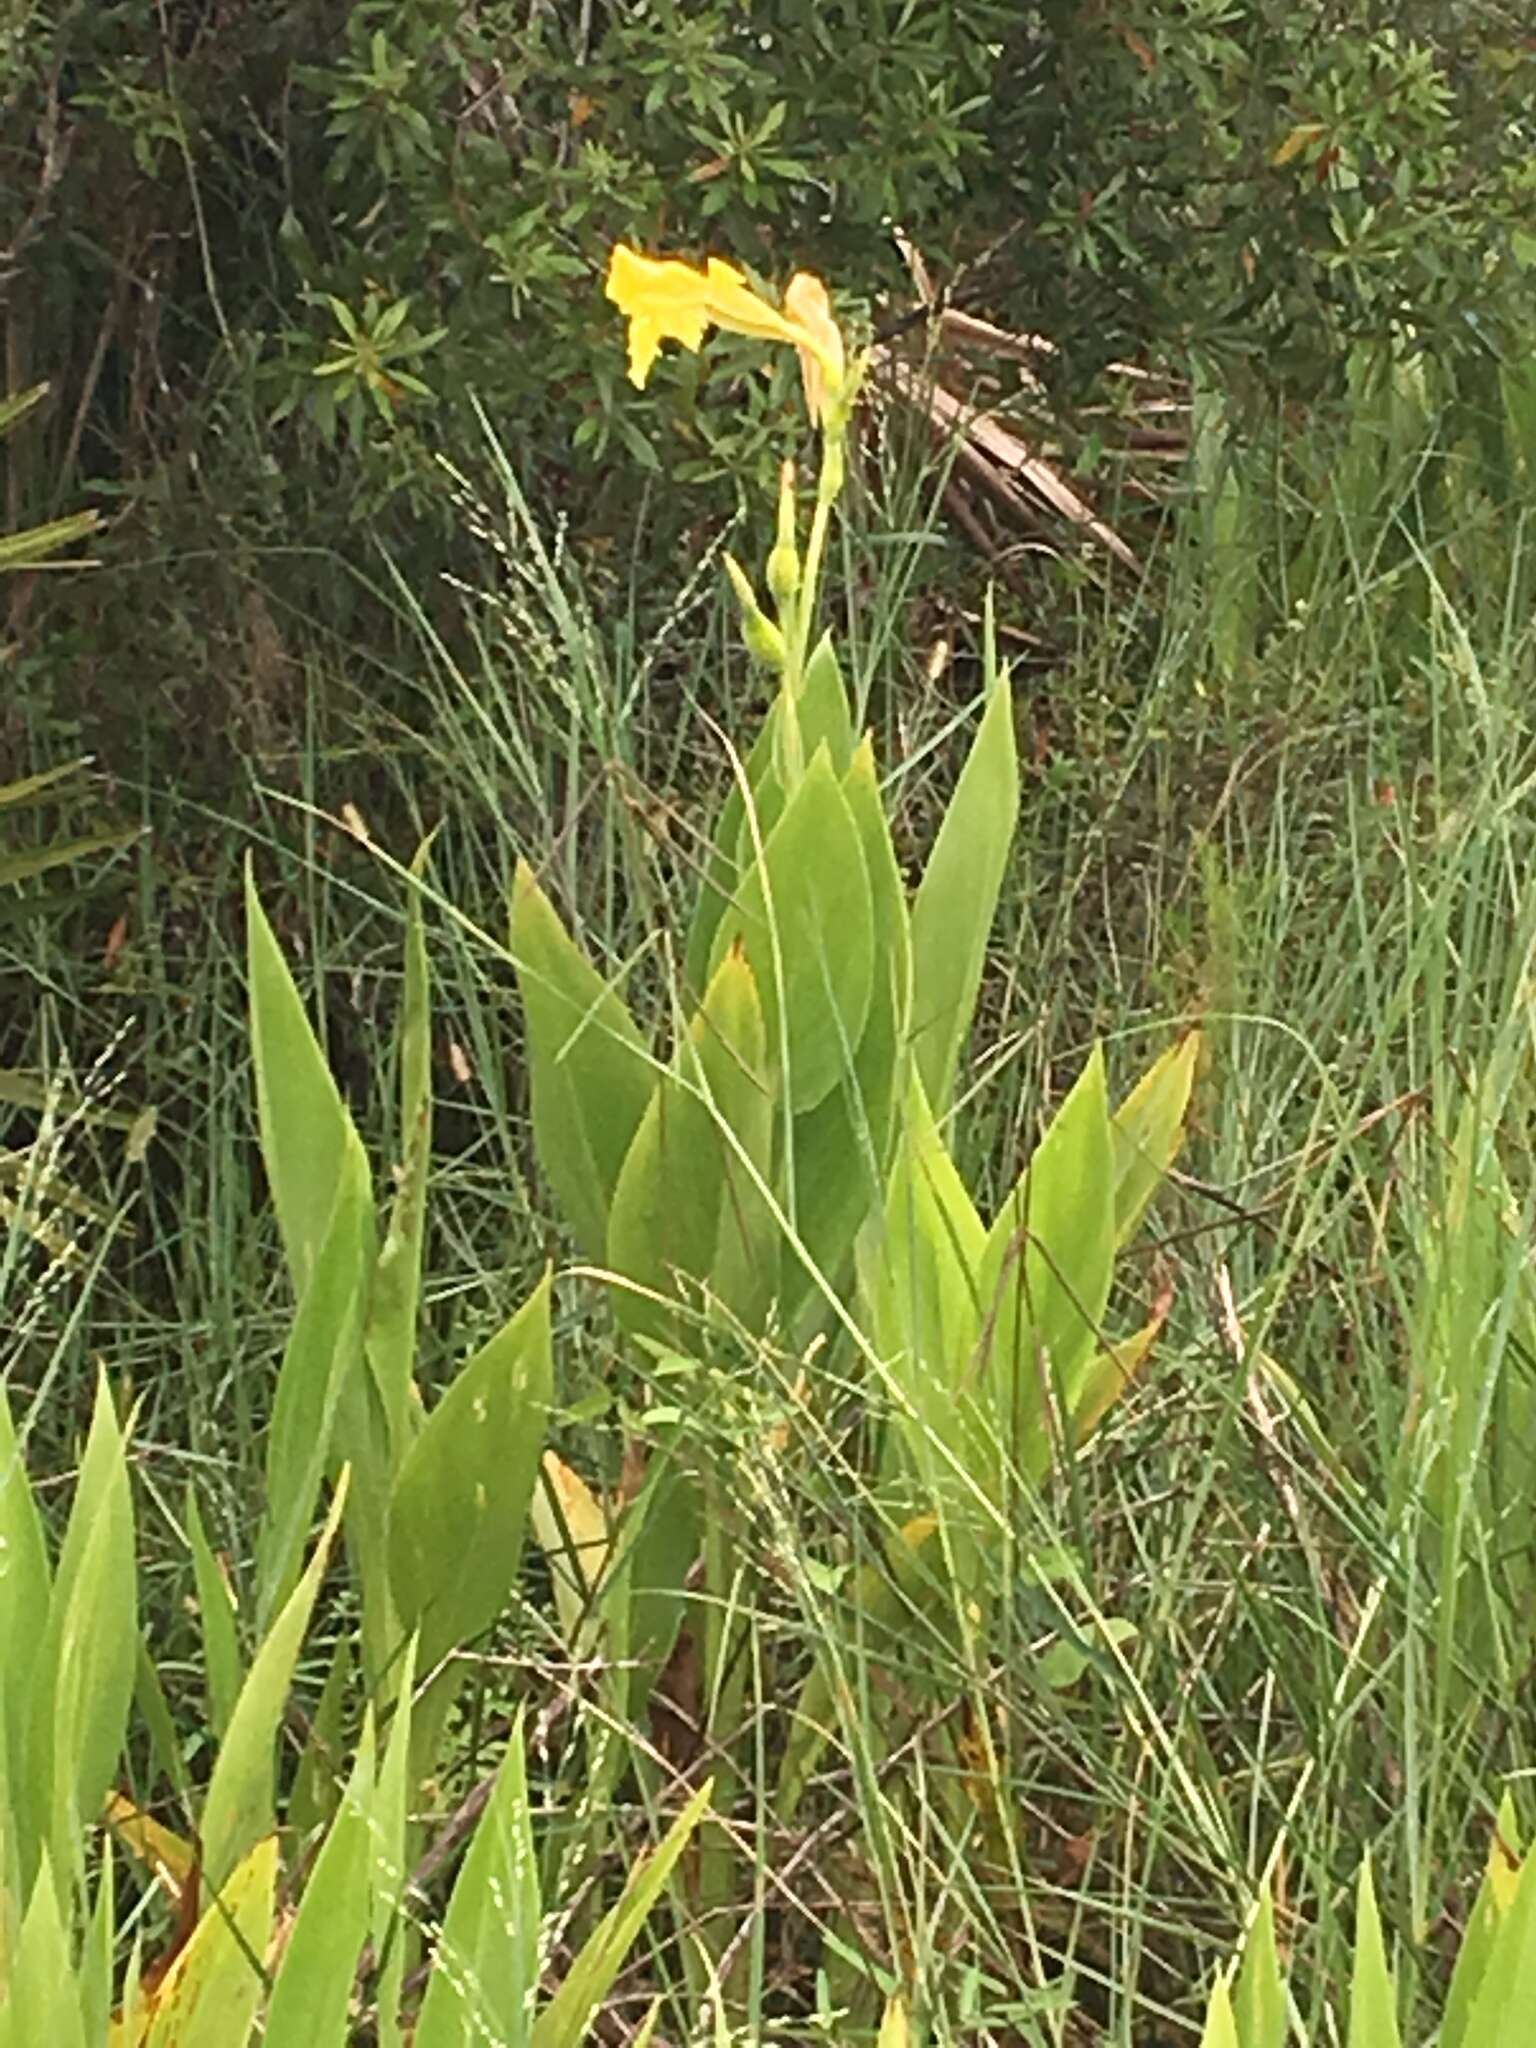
{"points": [[1000, 456]]}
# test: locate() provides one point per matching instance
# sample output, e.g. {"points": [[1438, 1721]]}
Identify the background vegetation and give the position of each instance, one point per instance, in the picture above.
{"points": [[389, 545]]}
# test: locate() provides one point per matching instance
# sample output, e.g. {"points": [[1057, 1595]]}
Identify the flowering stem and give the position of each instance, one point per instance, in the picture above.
{"points": [[828, 486]]}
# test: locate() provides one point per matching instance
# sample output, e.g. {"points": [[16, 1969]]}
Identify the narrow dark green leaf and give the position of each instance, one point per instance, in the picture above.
{"points": [[396, 1288], [223, 1667]]}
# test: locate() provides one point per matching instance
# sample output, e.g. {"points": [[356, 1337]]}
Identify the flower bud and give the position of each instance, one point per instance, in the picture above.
{"points": [[784, 560], [764, 640]]}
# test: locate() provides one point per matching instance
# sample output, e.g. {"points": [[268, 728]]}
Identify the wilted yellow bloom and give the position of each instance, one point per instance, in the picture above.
{"points": [[665, 300], [821, 360]]}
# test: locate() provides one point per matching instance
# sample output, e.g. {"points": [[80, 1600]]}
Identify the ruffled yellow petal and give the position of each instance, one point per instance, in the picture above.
{"points": [[645, 339], [665, 300]]}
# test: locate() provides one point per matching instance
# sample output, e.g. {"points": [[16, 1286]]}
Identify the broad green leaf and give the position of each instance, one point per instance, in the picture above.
{"points": [[24, 1601], [728, 1061], [1495, 1895], [306, 1130], [1465, 1254], [842, 1147], [1506, 1996], [1220, 2021], [363, 1442], [803, 915], [685, 1209], [486, 1970], [1372, 1991], [223, 1666], [313, 1991], [395, 1295], [238, 1809], [11, 1899], [44, 2002], [732, 851], [209, 1996], [1046, 1275], [957, 899], [1147, 1130], [87, 1658], [1473, 1386], [12, 1893], [823, 709], [565, 2020], [920, 1272], [797, 726], [1259, 2001], [460, 1507], [324, 1349], [589, 1069], [822, 713]]}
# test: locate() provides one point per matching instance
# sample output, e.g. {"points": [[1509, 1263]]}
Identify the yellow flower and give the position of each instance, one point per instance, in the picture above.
{"points": [[665, 300], [821, 360]]}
